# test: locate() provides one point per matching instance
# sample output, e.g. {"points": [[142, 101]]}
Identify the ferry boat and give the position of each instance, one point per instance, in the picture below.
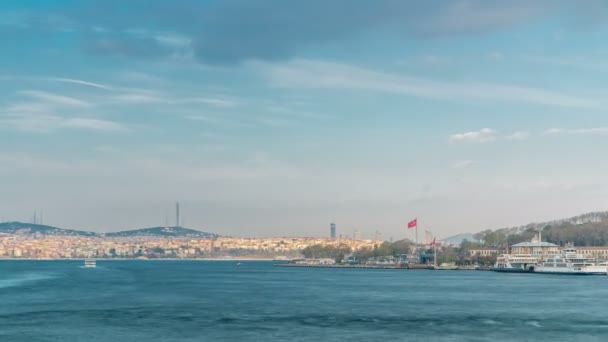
{"points": [[571, 262], [90, 263], [517, 263]]}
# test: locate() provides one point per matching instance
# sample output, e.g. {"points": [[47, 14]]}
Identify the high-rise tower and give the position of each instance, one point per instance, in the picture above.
{"points": [[177, 214], [332, 230]]}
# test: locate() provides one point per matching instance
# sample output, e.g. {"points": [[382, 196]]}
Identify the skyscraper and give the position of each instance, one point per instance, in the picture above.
{"points": [[177, 214], [378, 236], [332, 230]]}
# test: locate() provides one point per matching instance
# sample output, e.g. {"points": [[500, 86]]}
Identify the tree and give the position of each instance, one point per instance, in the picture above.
{"points": [[320, 251]]}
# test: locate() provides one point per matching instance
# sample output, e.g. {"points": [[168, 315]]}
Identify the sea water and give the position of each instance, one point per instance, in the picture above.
{"points": [[254, 301]]}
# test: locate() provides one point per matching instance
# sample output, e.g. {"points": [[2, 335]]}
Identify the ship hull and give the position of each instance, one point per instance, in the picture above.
{"points": [[571, 273], [511, 270]]}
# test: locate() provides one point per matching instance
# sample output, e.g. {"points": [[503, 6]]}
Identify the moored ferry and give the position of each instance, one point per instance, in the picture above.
{"points": [[571, 262], [517, 263]]}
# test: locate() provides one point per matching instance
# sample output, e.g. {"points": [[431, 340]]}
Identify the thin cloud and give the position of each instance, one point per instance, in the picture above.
{"points": [[575, 62], [93, 124], [143, 96], [81, 82], [519, 135], [216, 102], [581, 131], [481, 136], [55, 98], [322, 75], [50, 123], [212, 119], [462, 164]]}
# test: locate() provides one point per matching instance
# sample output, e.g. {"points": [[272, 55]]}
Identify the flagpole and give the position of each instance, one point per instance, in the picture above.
{"points": [[416, 232], [435, 252]]}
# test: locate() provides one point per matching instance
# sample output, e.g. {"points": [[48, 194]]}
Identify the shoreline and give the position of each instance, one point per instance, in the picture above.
{"points": [[383, 267], [135, 259]]}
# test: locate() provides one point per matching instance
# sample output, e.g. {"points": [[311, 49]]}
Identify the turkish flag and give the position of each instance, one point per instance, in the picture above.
{"points": [[412, 223], [432, 243]]}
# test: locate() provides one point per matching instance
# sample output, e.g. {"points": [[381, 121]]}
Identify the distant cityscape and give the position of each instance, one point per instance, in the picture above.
{"points": [[38, 241], [33, 240]]}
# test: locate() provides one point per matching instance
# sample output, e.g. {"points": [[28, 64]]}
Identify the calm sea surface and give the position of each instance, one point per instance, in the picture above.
{"points": [[223, 301]]}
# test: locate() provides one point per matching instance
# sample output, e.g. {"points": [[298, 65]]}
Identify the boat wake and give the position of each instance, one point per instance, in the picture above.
{"points": [[24, 279]]}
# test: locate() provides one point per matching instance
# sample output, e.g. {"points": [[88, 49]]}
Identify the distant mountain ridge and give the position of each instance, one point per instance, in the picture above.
{"points": [[21, 228], [163, 231]]}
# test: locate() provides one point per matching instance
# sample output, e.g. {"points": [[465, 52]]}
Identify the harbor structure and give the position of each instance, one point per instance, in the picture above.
{"points": [[536, 247], [484, 251]]}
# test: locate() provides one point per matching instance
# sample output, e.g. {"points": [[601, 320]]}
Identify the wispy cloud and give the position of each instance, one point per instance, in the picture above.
{"points": [[146, 96], [322, 75], [582, 131], [48, 112], [55, 98], [461, 164], [575, 62], [50, 123], [214, 119], [80, 82], [481, 136], [495, 55], [92, 124], [519, 135], [217, 102]]}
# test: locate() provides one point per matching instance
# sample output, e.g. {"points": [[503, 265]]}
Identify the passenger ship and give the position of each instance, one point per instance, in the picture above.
{"points": [[571, 262], [517, 263], [90, 263]]}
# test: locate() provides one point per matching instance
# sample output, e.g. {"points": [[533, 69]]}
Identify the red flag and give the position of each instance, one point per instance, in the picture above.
{"points": [[412, 223], [432, 243]]}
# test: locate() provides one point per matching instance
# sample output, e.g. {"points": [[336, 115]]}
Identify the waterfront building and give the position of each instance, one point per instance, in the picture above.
{"points": [[596, 252], [484, 251], [536, 247]]}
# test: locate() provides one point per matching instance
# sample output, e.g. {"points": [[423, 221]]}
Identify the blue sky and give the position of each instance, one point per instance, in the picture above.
{"points": [[272, 118]]}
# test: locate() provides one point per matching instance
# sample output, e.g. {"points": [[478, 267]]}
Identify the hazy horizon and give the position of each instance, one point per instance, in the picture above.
{"points": [[274, 118]]}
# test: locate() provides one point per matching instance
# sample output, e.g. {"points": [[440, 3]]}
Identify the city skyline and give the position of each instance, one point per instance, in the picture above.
{"points": [[469, 115]]}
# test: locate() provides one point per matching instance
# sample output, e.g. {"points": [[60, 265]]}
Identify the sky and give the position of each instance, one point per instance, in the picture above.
{"points": [[275, 118]]}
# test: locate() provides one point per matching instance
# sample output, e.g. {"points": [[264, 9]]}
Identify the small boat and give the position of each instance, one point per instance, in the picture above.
{"points": [[447, 266], [90, 263]]}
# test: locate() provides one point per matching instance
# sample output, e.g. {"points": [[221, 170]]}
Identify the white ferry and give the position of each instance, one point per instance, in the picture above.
{"points": [[515, 263], [90, 263], [571, 262]]}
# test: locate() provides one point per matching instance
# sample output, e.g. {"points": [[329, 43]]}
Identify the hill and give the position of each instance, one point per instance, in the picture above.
{"points": [[164, 232], [589, 229], [457, 239], [20, 228], [593, 217]]}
